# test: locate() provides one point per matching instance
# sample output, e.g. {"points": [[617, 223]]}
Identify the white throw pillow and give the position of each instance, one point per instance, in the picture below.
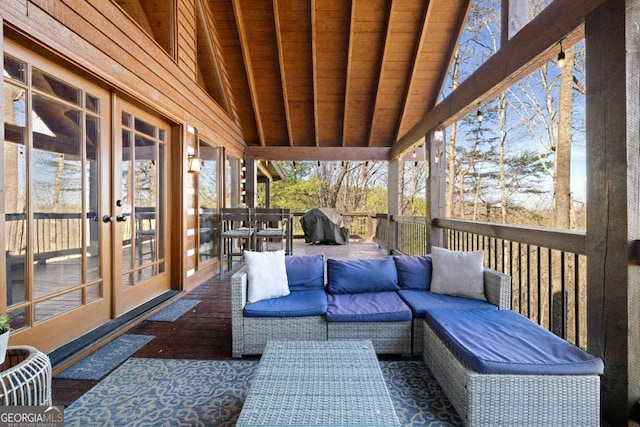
{"points": [[458, 273], [266, 275]]}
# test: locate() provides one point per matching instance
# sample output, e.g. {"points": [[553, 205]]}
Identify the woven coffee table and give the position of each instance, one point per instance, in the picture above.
{"points": [[318, 383]]}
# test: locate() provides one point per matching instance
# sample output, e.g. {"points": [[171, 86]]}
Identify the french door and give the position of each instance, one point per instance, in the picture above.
{"points": [[139, 207], [56, 173], [84, 187]]}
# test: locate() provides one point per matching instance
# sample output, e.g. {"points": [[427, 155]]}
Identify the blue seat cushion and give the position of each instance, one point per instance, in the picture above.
{"points": [[421, 301], [352, 276], [506, 342], [414, 271], [367, 307], [305, 271], [312, 302]]}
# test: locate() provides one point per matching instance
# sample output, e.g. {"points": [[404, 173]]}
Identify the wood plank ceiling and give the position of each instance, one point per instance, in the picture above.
{"points": [[326, 79]]}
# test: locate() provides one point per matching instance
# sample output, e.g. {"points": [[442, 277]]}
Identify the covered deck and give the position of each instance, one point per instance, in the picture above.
{"points": [[250, 112]]}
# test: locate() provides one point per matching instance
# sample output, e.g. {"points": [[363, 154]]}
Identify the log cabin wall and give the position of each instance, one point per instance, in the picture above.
{"points": [[126, 52]]}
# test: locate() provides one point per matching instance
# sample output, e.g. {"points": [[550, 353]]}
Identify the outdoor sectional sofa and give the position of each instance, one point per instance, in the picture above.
{"points": [[497, 367], [380, 299]]}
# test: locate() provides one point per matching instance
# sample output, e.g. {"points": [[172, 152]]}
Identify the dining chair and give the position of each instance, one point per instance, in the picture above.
{"points": [[270, 224], [145, 235], [235, 224]]}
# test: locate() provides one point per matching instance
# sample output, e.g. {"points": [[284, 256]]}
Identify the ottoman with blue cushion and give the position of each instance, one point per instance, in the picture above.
{"points": [[499, 368], [363, 303]]}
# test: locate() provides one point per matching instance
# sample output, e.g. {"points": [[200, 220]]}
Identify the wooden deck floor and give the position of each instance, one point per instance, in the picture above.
{"points": [[205, 332]]}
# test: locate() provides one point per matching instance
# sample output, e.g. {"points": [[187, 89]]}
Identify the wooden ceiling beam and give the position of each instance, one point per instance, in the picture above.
{"points": [[330, 50], [265, 171], [534, 45], [452, 48], [293, 37], [412, 73], [399, 43], [318, 153], [369, 21], [206, 33], [283, 74], [314, 67], [350, 62], [253, 90]]}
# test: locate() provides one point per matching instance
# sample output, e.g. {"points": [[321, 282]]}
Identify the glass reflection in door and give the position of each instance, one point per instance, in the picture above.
{"points": [[142, 204], [51, 194], [208, 201]]}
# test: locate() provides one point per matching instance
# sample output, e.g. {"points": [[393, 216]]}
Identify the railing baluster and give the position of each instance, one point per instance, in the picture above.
{"points": [[577, 289], [563, 302], [527, 283], [550, 292], [512, 249]]}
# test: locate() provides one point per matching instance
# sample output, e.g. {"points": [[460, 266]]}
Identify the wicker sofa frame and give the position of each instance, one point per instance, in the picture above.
{"points": [[508, 399], [387, 337], [250, 334]]}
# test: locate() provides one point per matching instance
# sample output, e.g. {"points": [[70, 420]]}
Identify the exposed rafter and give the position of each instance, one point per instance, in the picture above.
{"points": [[366, 73], [208, 58]]}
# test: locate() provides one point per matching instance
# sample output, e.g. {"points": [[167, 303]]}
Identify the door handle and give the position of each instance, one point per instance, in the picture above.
{"points": [[117, 218]]}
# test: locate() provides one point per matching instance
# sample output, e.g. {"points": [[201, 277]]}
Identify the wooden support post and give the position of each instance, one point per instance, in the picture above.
{"points": [[251, 183], [4, 264], [436, 158], [613, 202], [393, 195]]}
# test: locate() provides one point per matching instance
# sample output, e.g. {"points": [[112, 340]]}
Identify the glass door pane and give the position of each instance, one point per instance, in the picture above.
{"points": [[141, 202], [53, 174], [208, 202]]}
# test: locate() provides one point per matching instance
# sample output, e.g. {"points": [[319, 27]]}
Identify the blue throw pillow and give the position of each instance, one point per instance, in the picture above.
{"points": [[352, 276], [414, 272], [305, 272]]}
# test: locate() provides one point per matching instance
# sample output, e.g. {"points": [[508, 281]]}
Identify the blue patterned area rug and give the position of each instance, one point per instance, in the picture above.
{"points": [[150, 392], [103, 360], [172, 312]]}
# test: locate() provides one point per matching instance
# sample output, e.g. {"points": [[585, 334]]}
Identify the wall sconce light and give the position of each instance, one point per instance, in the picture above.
{"points": [[194, 164], [438, 135], [561, 56]]}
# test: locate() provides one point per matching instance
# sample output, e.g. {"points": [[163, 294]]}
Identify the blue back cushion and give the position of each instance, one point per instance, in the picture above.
{"points": [[305, 272], [414, 272], [353, 276]]}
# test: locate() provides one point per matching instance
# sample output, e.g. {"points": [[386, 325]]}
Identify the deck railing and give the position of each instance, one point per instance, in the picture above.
{"points": [[56, 234], [547, 266]]}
